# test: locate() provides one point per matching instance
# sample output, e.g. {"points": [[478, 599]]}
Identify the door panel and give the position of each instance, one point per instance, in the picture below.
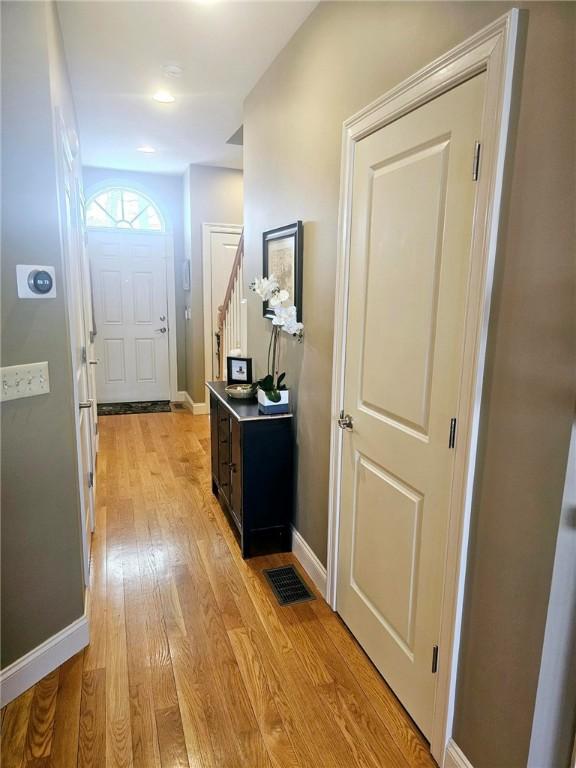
{"points": [[385, 550], [114, 361], [145, 361], [402, 291], [412, 214], [111, 292], [131, 309], [143, 297]]}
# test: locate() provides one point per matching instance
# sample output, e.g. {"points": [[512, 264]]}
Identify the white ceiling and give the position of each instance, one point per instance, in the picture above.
{"points": [[115, 52]]}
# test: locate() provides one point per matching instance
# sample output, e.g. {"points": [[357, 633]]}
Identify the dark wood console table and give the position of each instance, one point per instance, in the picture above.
{"points": [[252, 471]]}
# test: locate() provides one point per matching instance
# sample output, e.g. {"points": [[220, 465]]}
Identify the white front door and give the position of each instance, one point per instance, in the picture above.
{"points": [[131, 315], [412, 214], [219, 253]]}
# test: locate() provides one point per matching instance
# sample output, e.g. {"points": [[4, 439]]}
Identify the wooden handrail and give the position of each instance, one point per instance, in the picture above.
{"points": [[233, 275]]}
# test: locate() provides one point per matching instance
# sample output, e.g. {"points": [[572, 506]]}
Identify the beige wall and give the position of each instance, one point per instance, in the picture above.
{"points": [[166, 190], [42, 582], [343, 57], [211, 196]]}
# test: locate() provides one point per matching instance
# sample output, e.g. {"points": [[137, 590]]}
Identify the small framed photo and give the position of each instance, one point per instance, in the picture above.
{"points": [[239, 370], [282, 257]]}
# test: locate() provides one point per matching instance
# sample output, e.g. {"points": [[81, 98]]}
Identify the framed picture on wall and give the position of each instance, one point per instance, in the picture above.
{"points": [[282, 257], [239, 370]]}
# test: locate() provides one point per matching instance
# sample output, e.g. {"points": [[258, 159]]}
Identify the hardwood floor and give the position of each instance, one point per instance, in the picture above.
{"points": [[192, 662]]}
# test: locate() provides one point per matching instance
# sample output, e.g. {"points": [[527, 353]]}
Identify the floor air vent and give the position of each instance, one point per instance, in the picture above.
{"points": [[288, 585]]}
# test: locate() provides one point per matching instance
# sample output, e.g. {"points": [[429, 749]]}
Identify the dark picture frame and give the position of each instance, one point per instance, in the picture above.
{"points": [[232, 370], [282, 250]]}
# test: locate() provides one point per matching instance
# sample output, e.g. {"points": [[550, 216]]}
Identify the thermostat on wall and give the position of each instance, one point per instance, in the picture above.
{"points": [[35, 281]]}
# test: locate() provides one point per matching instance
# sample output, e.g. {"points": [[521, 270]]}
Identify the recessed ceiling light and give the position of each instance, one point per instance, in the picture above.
{"points": [[164, 97], [172, 70], [147, 149]]}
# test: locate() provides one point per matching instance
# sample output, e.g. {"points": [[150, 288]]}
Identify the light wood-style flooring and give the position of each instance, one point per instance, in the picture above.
{"points": [[191, 661]]}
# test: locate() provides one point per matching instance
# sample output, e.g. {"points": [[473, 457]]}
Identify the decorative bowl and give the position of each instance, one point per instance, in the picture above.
{"points": [[241, 391]]}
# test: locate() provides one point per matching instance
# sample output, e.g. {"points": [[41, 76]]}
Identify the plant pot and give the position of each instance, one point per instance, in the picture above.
{"points": [[269, 407]]}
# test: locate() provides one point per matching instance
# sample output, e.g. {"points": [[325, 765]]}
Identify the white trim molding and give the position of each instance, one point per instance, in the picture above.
{"points": [[454, 757], [28, 670], [198, 409], [171, 296], [207, 230], [492, 50], [308, 560]]}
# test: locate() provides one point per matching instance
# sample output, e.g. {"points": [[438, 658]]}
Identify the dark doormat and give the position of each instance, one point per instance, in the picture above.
{"points": [[119, 409], [287, 585]]}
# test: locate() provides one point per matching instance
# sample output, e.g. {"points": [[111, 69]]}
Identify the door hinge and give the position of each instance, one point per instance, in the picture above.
{"points": [[452, 435], [83, 355], [434, 659], [90, 479], [96, 428], [476, 162]]}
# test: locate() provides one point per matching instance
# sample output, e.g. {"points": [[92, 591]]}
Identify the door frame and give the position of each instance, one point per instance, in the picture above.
{"points": [[167, 234], [207, 230], [491, 50]]}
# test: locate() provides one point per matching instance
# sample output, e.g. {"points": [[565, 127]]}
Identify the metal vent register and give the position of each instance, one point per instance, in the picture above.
{"points": [[288, 585]]}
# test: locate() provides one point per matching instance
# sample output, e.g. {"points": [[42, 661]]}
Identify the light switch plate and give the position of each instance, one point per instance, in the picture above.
{"points": [[27, 380]]}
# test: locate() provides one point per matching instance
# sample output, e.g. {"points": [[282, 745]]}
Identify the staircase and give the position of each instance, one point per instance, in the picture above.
{"points": [[231, 335]]}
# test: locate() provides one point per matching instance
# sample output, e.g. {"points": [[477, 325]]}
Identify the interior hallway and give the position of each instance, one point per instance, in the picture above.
{"points": [[191, 661]]}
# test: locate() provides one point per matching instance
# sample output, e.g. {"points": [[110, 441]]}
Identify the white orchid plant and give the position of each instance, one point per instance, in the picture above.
{"points": [[284, 319]]}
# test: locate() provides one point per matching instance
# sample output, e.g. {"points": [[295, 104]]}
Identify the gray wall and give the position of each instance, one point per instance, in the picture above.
{"points": [[344, 56], [211, 196], [42, 583], [555, 712], [167, 191]]}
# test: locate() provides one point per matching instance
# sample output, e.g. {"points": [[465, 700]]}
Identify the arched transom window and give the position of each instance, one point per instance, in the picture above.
{"points": [[123, 209]]}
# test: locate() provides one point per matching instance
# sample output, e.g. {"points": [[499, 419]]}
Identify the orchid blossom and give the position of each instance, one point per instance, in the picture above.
{"points": [[284, 319]]}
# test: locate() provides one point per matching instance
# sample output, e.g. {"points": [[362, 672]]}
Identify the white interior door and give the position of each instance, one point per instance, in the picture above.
{"points": [[219, 253], [411, 226], [129, 271], [72, 220], [89, 324]]}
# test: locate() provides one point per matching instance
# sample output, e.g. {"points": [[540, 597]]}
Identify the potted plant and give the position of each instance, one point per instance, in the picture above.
{"points": [[273, 394]]}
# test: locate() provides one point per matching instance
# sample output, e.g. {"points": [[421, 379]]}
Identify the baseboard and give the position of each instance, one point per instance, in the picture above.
{"points": [[309, 561], [180, 397], [28, 670], [198, 409], [454, 757], [187, 400]]}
